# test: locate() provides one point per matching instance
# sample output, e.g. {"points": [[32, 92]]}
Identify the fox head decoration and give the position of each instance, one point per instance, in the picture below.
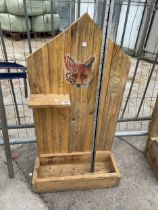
{"points": [[77, 74]]}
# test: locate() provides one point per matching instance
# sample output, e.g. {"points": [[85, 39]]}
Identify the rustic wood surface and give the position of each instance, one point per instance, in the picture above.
{"points": [[63, 175], [153, 126], [65, 130], [152, 155], [49, 100], [151, 148], [115, 76]]}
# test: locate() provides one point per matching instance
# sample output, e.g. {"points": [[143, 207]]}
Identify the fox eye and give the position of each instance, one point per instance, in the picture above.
{"points": [[84, 76]]}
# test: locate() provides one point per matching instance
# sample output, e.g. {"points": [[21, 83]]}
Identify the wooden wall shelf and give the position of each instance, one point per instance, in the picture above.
{"points": [[49, 100]]}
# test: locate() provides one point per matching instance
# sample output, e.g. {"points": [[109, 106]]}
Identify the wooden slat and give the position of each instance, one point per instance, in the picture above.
{"points": [[49, 100], [153, 126], [151, 148], [38, 71], [83, 99], [115, 77], [152, 156], [75, 157]]}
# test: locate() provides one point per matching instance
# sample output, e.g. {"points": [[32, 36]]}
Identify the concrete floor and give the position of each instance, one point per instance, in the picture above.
{"points": [[138, 189]]}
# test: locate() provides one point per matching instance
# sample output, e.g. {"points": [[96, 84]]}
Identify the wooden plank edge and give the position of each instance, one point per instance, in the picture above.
{"points": [[72, 154], [35, 173]]}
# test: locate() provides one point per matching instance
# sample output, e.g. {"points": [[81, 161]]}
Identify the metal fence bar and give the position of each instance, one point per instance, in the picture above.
{"points": [[10, 81], [116, 17], [27, 26], [52, 16], [125, 24], [147, 84], [103, 14], [78, 8], [130, 90], [135, 119], [6, 136]]}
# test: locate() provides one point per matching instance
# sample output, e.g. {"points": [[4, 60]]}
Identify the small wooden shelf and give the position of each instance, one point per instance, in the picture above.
{"points": [[70, 171], [49, 100]]}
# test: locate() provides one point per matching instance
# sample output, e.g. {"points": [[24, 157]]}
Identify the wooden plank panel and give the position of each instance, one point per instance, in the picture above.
{"points": [[116, 72], [72, 129], [38, 71], [49, 100], [83, 99]]}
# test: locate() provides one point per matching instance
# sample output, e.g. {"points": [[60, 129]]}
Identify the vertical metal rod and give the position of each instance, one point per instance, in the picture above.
{"points": [[78, 8], [6, 136], [103, 14], [147, 84], [10, 81], [125, 24], [117, 8], [52, 16], [70, 12], [130, 90], [27, 26], [94, 142]]}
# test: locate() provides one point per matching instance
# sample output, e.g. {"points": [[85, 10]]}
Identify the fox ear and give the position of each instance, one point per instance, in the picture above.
{"points": [[70, 69], [69, 64], [89, 63]]}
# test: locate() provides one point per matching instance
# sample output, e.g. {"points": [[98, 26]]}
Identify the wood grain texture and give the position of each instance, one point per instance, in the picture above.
{"points": [[71, 172], [153, 127], [115, 76], [49, 100], [151, 148], [152, 155], [70, 129]]}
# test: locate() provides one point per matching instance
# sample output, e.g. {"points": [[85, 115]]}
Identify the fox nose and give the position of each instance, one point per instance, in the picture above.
{"points": [[78, 85]]}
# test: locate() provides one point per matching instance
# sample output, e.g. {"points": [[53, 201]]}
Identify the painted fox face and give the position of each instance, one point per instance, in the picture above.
{"points": [[78, 75]]}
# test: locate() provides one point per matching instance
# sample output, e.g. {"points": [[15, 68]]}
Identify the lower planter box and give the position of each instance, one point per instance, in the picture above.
{"points": [[70, 171]]}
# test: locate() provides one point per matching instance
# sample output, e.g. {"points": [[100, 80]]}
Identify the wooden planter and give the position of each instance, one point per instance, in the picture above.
{"points": [[63, 78], [71, 172]]}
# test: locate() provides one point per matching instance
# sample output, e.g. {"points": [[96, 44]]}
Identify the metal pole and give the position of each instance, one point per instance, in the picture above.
{"points": [[125, 24], [104, 45], [130, 90], [147, 84], [52, 16], [116, 18], [131, 133], [134, 119], [15, 126], [10, 81], [6, 136], [27, 26], [103, 14], [78, 8]]}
